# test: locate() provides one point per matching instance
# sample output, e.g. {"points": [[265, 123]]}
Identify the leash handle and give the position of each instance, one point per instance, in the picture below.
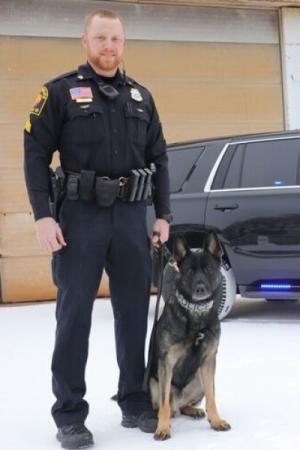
{"points": [[158, 244]]}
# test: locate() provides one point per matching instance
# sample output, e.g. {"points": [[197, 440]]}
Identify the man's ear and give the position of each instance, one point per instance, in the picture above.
{"points": [[180, 248], [212, 244], [83, 40]]}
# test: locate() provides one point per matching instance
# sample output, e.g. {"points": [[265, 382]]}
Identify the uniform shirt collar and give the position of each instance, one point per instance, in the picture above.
{"points": [[86, 72]]}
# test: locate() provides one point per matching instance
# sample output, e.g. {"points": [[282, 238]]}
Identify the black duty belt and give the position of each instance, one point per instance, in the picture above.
{"points": [[86, 185]]}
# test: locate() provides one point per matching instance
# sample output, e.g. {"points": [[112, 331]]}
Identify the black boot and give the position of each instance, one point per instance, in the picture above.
{"points": [[146, 421], [137, 412], [75, 436]]}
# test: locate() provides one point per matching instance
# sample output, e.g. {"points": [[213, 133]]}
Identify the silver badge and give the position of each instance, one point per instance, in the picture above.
{"points": [[136, 95]]}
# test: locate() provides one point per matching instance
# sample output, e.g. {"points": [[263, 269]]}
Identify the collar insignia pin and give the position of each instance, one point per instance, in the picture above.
{"points": [[136, 95]]}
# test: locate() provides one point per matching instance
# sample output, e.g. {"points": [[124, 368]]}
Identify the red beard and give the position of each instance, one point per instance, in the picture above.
{"points": [[104, 63]]}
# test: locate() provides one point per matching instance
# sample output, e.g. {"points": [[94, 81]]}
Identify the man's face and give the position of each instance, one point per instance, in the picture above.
{"points": [[104, 43]]}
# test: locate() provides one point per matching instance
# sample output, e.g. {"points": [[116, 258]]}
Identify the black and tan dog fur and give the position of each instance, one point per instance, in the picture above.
{"points": [[187, 337]]}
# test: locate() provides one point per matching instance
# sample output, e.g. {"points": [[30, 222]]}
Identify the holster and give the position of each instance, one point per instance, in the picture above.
{"points": [[106, 191], [56, 191], [53, 193]]}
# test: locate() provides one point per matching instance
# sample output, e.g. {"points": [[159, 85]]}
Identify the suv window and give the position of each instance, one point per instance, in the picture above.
{"points": [[181, 165], [259, 164]]}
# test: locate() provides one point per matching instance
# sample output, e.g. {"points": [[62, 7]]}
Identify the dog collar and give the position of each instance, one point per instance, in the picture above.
{"points": [[195, 308]]}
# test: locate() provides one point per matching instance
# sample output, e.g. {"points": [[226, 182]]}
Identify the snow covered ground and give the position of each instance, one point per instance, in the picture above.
{"points": [[257, 384]]}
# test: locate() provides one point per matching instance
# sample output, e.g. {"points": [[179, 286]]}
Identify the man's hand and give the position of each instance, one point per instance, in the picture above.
{"points": [[160, 232], [49, 234]]}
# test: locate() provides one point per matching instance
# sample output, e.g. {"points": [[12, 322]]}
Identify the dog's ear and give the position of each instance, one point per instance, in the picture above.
{"points": [[212, 244], [180, 248]]}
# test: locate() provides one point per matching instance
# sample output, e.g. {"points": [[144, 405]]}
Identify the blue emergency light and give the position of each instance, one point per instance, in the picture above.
{"points": [[275, 286]]}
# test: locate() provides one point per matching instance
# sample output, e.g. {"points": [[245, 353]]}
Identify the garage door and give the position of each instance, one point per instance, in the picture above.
{"points": [[208, 79]]}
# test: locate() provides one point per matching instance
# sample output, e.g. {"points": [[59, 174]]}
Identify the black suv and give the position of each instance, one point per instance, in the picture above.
{"points": [[247, 189]]}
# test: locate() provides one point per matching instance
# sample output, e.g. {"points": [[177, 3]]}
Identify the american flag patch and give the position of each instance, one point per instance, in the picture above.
{"points": [[81, 93]]}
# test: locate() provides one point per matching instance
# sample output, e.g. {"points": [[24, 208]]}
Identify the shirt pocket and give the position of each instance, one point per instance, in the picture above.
{"points": [[137, 120], [85, 123]]}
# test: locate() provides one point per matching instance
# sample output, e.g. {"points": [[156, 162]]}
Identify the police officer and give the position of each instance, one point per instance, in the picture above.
{"points": [[106, 128]]}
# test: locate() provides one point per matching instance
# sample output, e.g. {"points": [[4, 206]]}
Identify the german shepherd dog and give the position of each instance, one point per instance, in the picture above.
{"points": [[183, 363]]}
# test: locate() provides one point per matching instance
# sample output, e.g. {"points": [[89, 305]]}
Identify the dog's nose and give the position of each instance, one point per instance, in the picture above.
{"points": [[200, 289]]}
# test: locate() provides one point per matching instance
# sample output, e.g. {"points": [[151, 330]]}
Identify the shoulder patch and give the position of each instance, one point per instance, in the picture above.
{"points": [[40, 101], [27, 126]]}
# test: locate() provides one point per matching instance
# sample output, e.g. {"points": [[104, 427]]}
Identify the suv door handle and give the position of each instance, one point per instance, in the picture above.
{"points": [[225, 208]]}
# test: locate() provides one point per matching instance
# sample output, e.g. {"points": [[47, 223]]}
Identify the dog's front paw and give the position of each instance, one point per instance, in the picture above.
{"points": [[161, 434], [220, 425]]}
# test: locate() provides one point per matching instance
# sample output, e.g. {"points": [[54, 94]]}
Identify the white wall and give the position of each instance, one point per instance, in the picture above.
{"points": [[290, 44]]}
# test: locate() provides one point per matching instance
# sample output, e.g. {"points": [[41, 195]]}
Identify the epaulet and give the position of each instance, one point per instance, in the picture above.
{"points": [[64, 75], [133, 82]]}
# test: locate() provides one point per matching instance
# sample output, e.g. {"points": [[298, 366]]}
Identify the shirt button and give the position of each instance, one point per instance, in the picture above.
{"points": [[114, 130], [113, 110], [116, 152]]}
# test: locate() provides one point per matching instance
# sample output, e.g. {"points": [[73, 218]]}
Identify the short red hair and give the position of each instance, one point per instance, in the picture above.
{"points": [[101, 13]]}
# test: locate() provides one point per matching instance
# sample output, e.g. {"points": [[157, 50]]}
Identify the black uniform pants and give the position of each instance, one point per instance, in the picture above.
{"points": [[114, 238]]}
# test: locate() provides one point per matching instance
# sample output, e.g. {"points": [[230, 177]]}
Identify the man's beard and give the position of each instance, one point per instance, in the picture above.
{"points": [[105, 64]]}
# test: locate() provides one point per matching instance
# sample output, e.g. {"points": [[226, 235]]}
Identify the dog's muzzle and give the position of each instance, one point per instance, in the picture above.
{"points": [[200, 293]]}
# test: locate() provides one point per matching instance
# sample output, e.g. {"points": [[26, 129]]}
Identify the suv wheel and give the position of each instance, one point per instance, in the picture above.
{"points": [[228, 291]]}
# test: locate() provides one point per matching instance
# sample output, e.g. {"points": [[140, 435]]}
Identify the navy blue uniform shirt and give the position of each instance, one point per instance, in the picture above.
{"points": [[92, 132]]}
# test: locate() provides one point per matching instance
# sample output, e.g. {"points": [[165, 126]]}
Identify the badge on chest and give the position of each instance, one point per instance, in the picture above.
{"points": [[136, 95]]}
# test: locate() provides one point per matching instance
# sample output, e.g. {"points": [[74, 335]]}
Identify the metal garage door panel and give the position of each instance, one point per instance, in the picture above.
{"points": [[205, 89], [201, 89]]}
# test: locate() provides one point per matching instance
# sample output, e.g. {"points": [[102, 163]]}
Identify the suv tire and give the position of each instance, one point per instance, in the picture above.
{"points": [[228, 291]]}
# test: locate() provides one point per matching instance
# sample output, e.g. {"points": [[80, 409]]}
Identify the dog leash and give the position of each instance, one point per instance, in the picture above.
{"points": [[160, 253], [164, 254]]}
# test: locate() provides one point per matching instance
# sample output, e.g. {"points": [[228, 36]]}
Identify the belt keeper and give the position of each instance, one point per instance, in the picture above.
{"points": [[72, 187], [122, 181]]}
